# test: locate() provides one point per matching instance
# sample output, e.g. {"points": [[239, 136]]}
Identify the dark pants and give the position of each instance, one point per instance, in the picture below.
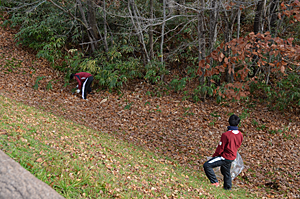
{"points": [[86, 87], [225, 170]]}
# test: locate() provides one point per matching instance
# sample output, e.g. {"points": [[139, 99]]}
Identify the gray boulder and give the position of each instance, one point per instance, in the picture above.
{"points": [[18, 183]]}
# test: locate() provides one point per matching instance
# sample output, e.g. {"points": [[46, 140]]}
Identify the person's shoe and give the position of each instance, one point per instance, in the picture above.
{"points": [[216, 184]]}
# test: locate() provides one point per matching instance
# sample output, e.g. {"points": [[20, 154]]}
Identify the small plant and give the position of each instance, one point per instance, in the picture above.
{"points": [[186, 95], [157, 109], [215, 114], [270, 143], [12, 64], [262, 127], [204, 91], [189, 113], [281, 95], [254, 122], [230, 113], [155, 70], [212, 123], [120, 95], [273, 132], [251, 105], [186, 113], [289, 137], [159, 94], [37, 82], [244, 114], [147, 103], [49, 85], [128, 106], [280, 131], [186, 108], [178, 84]]}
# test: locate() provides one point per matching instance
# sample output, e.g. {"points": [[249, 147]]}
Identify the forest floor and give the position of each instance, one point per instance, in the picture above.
{"points": [[182, 130]]}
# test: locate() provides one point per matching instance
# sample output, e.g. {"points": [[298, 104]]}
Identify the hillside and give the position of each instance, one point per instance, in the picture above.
{"points": [[181, 130]]}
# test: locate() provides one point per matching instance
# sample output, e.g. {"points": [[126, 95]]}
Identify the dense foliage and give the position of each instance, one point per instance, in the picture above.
{"points": [[197, 48]]}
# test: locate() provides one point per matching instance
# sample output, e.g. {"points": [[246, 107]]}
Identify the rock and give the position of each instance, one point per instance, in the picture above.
{"points": [[18, 183]]}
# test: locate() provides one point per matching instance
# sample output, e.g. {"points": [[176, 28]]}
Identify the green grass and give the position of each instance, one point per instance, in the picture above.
{"points": [[79, 162]]}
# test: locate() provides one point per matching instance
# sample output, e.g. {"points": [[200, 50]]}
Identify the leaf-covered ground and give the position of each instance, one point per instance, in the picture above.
{"points": [[79, 162], [185, 131]]}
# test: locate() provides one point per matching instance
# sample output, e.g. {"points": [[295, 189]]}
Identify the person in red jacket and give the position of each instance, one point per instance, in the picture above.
{"points": [[225, 153], [84, 81]]}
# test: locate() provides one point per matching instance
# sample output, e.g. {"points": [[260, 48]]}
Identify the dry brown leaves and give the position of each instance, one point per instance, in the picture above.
{"points": [[184, 131]]}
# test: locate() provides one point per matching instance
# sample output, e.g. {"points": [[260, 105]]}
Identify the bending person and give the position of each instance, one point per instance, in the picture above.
{"points": [[84, 81]]}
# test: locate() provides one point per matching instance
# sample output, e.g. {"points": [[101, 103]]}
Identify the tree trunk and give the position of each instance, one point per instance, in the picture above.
{"points": [[258, 17], [212, 30], [238, 24], [92, 18], [163, 32], [151, 31], [163, 36], [273, 15], [201, 38], [229, 25], [89, 33], [229, 22], [213, 25], [181, 10], [171, 5], [201, 33], [135, 18], [105, 26], [83, 22]]}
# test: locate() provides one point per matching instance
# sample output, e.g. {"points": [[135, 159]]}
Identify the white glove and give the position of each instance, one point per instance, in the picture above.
{"points": [[77, 90]]}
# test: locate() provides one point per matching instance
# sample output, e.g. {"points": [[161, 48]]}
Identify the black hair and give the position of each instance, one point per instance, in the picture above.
{"points": [[72, 75], [234, 120]]}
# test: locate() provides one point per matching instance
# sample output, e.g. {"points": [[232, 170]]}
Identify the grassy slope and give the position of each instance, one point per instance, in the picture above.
{"points": [[79, 162]]}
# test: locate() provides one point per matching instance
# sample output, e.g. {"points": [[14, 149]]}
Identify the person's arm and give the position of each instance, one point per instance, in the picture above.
{"points": [[78, 81], [221, 146]]}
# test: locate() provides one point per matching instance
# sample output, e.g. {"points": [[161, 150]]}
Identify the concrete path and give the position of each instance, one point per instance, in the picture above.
{"points": [[18, 183]]}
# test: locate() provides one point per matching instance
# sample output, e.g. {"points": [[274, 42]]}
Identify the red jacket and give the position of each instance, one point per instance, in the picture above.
{"points": [[229, 144], [81, 77]]}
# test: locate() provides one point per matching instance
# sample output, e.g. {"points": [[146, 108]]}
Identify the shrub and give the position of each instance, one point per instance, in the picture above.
{"points": [[43, 29], [154, 71], [280, 95], [111, 70]]}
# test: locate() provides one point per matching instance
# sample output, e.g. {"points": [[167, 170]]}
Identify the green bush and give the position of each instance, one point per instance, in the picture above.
{"points": [[178, 84], [154, 71], [280, 95], [113, 75], [203, 91], [43, 29], [111, 70]]}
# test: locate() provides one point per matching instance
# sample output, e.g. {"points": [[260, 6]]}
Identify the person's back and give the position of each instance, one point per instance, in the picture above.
{"points": [[83, 75], [225, 153], [233, 139], [84, 81]]}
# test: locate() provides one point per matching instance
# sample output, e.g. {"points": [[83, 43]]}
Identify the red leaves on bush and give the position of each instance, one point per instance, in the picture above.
{"points": [[237, 56]]}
